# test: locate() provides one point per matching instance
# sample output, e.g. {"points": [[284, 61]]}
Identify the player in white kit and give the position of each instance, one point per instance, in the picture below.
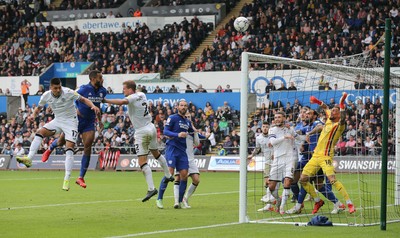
{"points": [[145, 133], [282, 139], [264, 145], [62, 102]]}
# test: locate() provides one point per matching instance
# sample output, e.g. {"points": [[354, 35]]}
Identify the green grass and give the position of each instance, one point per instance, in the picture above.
{"points": [[32, 204]]}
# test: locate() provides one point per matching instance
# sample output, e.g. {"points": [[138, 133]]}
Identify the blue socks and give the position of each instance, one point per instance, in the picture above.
{"points": [[302, 195], [295, 190], [84, 165], [328, 193], [161, 190], [182, 189], [53, 144]]}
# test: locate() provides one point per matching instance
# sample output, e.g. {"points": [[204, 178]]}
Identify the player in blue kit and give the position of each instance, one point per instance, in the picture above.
{"points": [[177, 129], [301, 123], [191, 141], [95, 92]]}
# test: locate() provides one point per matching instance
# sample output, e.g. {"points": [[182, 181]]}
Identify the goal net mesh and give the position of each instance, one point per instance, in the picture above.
{"points": [[286, 84]]}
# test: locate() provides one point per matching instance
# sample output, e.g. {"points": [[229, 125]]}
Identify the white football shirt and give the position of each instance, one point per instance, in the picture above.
{"points": [[138, 111], [282, 146], [62, 106], [262, 142]]}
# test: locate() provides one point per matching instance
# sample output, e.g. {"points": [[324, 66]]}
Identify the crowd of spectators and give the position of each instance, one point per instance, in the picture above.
{"points": [[228, 3], [88, 4], [16, 15], [307, 30], [132, 50]]}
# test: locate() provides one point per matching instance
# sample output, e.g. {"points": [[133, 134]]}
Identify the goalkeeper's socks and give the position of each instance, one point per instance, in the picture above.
{"points": [[53, 144], [342, 190], [162, 188], [84, 165], [328, 194]]}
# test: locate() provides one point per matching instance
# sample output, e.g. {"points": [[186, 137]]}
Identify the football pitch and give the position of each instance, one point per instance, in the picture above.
{"points": [[32, 204]]}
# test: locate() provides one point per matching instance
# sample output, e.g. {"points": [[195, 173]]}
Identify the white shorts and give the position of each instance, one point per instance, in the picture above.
{"points": [[193, 169], [267, 170], [68, 126], [282, 167], [145, 139]]}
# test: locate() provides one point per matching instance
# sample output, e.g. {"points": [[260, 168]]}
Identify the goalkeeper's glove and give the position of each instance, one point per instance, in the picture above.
{"points": [[342, 99], [314, 100]]}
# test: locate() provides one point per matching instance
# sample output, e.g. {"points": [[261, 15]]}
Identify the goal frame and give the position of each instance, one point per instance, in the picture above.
{"points": [[244, 113]]}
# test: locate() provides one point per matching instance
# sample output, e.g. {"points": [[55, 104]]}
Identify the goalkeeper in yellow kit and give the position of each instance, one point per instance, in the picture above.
{"points": [[324, 152]]}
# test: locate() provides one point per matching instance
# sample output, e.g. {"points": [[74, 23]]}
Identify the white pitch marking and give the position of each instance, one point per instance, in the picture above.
{"points": [[21, 179], [174, 230], [95, 202], [62, 204]]}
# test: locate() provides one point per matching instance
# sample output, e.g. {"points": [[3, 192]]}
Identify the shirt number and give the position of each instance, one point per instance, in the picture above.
{"points": [[146, 110]]}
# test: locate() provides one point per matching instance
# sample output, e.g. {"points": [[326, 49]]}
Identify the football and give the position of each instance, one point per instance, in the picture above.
{"points": [[241, 24]]}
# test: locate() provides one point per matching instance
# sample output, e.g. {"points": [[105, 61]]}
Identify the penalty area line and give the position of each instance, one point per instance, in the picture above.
{"points": [[175, 230]]}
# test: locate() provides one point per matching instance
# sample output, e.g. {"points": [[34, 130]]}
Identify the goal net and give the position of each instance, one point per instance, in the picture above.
{"points": [[283, 84]]}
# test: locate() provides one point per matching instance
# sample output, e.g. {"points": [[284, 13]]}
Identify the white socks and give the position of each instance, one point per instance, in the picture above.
{"points": [[37, 141], [164, 166], [69, 162], [191, 190], [148, 176], [176, 193], [285, 196]]}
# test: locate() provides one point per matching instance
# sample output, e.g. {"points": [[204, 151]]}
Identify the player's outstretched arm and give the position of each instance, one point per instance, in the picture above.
{"points": [[90, 104], [35, 112], [342, 106], [314, 100], [116, 101]]}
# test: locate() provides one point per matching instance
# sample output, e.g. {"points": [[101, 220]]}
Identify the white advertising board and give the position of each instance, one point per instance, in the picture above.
{"points": [[115, 24]]}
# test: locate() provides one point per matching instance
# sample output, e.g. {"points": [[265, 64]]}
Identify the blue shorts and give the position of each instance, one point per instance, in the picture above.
{"points": [[176, 158], [303, 161], [85, 125]]}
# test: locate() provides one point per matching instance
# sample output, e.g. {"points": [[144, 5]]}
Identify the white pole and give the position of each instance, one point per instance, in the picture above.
{"points": [[397, 154], [243, 140]]}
